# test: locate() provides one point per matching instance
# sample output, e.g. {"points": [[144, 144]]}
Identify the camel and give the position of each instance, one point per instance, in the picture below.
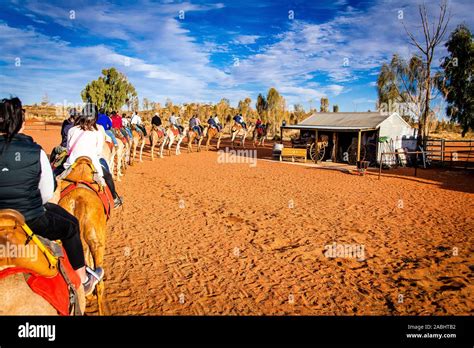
{"points": [[16, 296], [210, 133], [157, 136], [109, 153], [86, 206], [117, 154], [170, 138], [238, 131], [122, 156], [193, 135], [259, 139], [138, 139]]}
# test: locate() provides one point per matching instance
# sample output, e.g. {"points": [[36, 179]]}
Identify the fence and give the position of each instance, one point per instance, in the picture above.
{"points": [[452, 153], [42, 125]]}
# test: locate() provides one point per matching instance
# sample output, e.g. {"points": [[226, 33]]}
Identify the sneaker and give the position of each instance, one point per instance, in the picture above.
{"points": [[93, 278], [118, 201]]}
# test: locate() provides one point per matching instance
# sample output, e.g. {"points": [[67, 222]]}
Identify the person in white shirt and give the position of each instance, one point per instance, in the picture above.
{"points": [[174, 121], [215, 122], [136, 122], [86, 139], [126, 125]]}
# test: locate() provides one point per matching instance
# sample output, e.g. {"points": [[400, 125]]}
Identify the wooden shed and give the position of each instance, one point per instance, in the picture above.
{"points": [[353, 136]]}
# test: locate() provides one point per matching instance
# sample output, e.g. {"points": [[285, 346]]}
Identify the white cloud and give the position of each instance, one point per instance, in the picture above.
{"points": [[246, 39], [305, 62]]}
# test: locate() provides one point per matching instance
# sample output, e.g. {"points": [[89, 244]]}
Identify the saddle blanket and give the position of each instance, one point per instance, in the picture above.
{"points": [[52, 289], [105, 195]]}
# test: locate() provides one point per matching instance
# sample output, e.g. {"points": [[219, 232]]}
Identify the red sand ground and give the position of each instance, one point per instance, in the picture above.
{"points": [[200, 237]]}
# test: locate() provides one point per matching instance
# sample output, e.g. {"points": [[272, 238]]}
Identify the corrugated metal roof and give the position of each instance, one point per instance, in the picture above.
{"points": [[354, 120]]}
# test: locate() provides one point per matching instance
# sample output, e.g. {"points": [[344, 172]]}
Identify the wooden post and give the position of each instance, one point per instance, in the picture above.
{"points": [[442, 152], [380, 168], [358, 145], [334, 146], [281, 134]]}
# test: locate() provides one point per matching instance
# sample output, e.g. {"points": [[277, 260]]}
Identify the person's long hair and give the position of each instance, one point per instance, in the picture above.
{"points": [[87, 120], [12, 117]]}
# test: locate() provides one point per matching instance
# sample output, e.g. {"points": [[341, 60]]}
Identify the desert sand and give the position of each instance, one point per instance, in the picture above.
{"points": [[198, 237]]}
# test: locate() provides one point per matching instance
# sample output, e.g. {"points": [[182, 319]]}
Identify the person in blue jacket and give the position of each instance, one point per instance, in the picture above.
{"points": [[106, 122]]}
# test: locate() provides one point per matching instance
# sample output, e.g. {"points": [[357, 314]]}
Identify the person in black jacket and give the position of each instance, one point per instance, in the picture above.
{"points": [[67, 124], [27, 184], [156, 121]]}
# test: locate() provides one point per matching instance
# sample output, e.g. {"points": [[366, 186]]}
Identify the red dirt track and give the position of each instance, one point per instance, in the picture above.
{"points": [[198, 237]]}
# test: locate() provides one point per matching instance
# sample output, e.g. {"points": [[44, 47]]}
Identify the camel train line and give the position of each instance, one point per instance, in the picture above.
{"points": [[91, 203]]}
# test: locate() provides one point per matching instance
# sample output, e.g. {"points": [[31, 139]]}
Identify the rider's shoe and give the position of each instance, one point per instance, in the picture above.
{"points": [[93, 278], [118, 201]]}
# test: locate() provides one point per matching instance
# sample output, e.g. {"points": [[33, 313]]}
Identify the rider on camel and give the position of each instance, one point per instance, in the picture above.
{"points": [[215, 123], [86, 139], [27, 187], [195, 125], [240, 120], [105, 121], [136, 122], [117, 125], [174, 121]]}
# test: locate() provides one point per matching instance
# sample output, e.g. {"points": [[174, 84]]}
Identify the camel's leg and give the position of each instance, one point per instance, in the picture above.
{"points": [[190, 143], [219, 136], [141, 149], [162, 147], [119, 161], [178, 143], [112, 163], [128, 155], [199, 143], [170, 144], [96, 241], [152, 148]]}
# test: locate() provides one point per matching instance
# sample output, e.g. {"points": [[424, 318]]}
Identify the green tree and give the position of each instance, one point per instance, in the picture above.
{"points": [[324, 104], [273, 107], [244, 107], [261, 106], [223, 109], [146, 104], [400, 87], [298, 113], [110, 91], [456, 82], [335, 108]]}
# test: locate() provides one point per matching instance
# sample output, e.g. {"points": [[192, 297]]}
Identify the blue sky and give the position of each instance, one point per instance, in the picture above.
{"points": [[230, 49]]}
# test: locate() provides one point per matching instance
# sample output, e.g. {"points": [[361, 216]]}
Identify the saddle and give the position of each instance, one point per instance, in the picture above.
{"points": [[49, 273], [159, 131], [110, 144], [260, 130], [137, 130], [236, 127], [175, 131], [81, 174], [118, 134], [14, 233]]}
